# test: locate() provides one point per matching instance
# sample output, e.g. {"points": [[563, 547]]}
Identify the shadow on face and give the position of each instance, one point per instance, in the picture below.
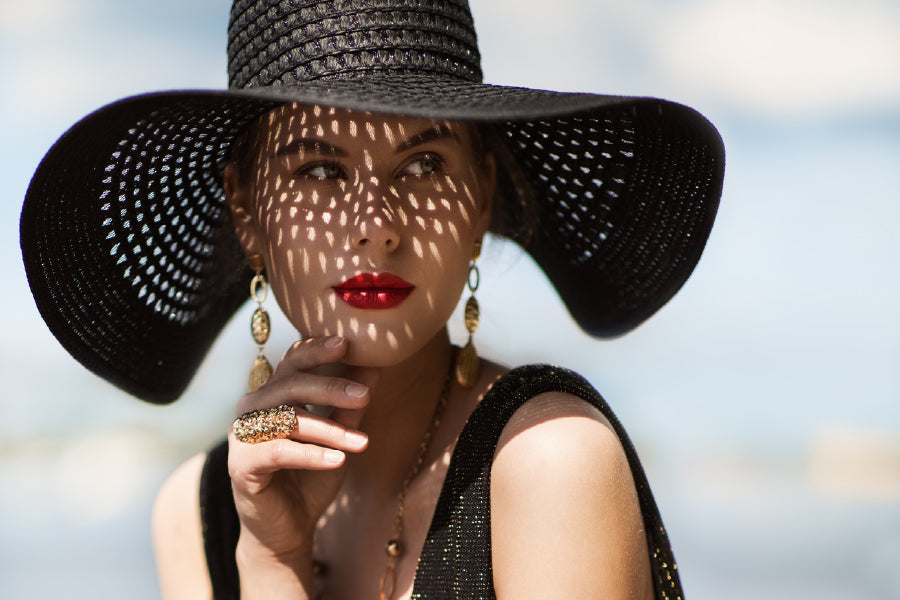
{"points": [[366, 223]]}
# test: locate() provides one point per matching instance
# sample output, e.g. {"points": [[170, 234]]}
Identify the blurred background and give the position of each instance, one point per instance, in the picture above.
{"points": [[764, 399]]}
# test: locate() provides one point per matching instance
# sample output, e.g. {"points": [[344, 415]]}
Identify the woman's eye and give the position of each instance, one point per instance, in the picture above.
{"points": [[322, 171], [423, 165]]}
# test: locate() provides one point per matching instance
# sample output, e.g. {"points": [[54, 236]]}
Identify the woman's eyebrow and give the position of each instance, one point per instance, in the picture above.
{"points": [[432, 133], [310, 145]]}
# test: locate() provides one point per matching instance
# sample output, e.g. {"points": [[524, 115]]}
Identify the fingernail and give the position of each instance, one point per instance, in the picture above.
{"points": [[357, 438], [333, 457], [355, 390], [334, 342]]}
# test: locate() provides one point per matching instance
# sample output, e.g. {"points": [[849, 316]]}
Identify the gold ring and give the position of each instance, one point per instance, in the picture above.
{"points": [[265, 424]]}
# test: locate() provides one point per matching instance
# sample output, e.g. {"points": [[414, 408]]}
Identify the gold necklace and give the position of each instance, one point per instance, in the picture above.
{"points": [[394, 547]]}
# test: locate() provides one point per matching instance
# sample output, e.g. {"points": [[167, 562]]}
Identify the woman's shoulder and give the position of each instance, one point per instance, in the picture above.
{"points": [[559, 421], [556, 430], [537, 391], [561, 467], [177, 533], [555, 421], [546, 498], [509, 401], [176, 502]]}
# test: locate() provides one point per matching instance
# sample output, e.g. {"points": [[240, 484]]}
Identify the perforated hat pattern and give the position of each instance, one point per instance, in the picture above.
{"points": [[122, 233]]}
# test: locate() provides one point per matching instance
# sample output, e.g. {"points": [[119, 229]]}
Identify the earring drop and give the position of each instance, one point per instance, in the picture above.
{"points": [[260, 325], [468, 365]]}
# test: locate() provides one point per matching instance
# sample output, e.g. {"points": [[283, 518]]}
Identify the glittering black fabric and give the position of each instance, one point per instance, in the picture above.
{"points": [[456, 560], [220, 523]]}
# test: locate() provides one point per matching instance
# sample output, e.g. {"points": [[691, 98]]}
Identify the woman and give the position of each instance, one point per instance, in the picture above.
{"points": [[354, 166]]}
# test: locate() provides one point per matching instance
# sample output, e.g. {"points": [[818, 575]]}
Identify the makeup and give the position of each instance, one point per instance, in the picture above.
{"points": [[370, 291]]}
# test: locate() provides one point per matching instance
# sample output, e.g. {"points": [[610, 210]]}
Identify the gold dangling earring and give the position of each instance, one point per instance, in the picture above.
{"points": [[260, 326], [467, 364]]}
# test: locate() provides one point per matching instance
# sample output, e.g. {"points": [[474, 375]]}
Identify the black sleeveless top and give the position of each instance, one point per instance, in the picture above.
{"points": [[456, 559]]}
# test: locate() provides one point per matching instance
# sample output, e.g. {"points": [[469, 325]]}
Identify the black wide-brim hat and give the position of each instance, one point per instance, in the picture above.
{"points": [[122, 227]]}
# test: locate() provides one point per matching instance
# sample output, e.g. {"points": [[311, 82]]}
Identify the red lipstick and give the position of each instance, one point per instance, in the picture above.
{"points": [[367, 290]]}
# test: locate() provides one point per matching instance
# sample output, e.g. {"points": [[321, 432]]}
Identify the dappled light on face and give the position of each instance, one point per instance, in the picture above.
{"points": [[435, 252], [451, 227], [392, 340], [368, 221]]}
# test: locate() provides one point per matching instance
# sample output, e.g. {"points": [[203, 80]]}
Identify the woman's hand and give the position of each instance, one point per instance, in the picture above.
{"points": [[282, 487]]}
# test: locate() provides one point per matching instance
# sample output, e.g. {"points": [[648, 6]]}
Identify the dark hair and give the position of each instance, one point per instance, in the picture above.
{"points": [[244, 149], [514, 212]]}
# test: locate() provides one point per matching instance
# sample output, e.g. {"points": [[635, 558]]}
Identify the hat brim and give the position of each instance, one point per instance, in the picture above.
{"points": [[121, 237]]}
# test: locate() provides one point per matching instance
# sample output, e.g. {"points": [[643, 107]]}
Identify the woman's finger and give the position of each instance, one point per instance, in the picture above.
{"points": [[314, 429], [256, 462], [310, 353], [306, 388], [351, 417]]}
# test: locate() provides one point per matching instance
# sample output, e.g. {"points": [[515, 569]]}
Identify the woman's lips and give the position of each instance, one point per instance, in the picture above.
{"points": [[367, 290]]}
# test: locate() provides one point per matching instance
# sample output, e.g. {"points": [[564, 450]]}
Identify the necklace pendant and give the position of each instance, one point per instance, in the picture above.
{"points": [[393, 548]]}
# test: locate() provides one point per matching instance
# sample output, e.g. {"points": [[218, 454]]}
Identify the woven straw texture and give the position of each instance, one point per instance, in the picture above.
{"points": [[121, 228]]}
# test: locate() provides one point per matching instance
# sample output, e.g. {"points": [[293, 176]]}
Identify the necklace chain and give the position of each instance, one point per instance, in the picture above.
{"points": [[394, 547]]}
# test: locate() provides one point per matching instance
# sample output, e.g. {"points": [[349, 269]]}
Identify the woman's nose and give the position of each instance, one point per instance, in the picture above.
{"points": [[374, 219]]}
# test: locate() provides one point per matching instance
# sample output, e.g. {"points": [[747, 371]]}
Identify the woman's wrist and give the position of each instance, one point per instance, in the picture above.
{"points": [[266, 574]]}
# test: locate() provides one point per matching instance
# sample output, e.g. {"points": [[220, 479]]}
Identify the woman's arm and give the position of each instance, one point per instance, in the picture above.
{"points": [[565, 517], [177, 536]]}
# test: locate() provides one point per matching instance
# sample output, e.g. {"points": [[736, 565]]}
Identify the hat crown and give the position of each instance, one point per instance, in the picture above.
{"points": [[286, 42]]}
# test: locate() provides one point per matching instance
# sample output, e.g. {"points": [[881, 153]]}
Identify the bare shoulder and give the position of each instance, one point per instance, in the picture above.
{"points": [[544, 417], [177, 534], [565, 517], [559, 439]]}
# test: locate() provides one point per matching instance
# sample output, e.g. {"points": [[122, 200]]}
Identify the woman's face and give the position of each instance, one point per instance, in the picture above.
{"points": [[366, 223]]}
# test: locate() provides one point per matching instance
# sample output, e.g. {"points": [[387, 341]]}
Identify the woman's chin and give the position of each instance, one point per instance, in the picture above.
{"points": [[388, 350], [383, 344], [368, 353]]}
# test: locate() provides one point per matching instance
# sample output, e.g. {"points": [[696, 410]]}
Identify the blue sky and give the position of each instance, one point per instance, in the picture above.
{"points": [[772, 378]]}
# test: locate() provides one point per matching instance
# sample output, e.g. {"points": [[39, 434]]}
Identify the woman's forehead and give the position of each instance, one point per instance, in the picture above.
{"points": [[305, 120]]}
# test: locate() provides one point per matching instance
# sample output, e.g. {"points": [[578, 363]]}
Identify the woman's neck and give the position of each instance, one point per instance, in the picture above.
{"points": [[400, 412]]}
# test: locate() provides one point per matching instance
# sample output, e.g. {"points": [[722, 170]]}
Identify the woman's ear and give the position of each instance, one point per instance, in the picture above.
{"points": [[237, 196]]}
